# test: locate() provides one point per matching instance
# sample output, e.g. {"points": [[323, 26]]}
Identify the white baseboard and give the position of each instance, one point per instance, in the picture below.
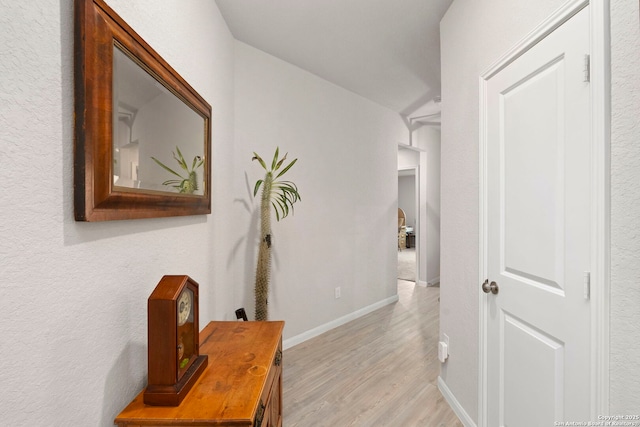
{"points": [[422, 283], [455, 405], [433, 281], [290, 342]]}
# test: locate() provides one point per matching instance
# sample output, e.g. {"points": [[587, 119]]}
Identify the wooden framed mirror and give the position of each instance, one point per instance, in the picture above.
{"points": [[142, 133]]}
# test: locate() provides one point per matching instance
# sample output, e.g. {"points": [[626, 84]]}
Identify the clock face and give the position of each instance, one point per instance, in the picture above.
{"points": [[187, 334], [185, 305]]}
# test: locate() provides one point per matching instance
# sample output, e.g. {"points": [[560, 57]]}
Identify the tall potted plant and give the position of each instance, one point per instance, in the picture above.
{"points": [[281, 195]]}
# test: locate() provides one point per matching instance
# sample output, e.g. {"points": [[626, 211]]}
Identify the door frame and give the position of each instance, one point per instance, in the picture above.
{"points": [[599, 191]]}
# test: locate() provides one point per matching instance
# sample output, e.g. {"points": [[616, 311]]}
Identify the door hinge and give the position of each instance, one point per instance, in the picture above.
{"points": [[587, 285], [587, 68]]}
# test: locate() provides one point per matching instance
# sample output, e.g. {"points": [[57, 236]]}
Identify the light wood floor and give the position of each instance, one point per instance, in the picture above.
{"points": [[379, 370]]}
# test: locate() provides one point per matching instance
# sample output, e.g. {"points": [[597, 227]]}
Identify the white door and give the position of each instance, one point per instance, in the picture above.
{"points": [[538, 233]]}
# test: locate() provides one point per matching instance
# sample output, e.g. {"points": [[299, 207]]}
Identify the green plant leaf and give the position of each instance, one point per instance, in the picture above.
{"points": [[283, 194], [276, 209], [290, 188], [292, 198], [166, 167], [172, 181], [275, 159], [259, 159], [255, 189], [281, 162], [293, 162], [285, 209], [180, 160], [179, 153]]}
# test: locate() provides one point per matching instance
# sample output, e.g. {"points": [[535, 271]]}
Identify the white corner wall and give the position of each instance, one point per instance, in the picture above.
{"points": [[74, 295], [429, 139], [625, 208], [343, 232], [473, 34]]}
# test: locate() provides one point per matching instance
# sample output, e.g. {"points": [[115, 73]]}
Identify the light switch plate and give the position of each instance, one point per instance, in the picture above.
{"points": [[443, 351]]}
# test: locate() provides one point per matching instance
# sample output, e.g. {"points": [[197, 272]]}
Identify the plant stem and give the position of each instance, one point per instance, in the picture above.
{"points": [[263, 269]]}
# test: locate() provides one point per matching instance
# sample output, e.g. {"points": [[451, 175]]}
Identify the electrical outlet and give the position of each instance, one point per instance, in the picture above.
{"points": [[338, 292]]}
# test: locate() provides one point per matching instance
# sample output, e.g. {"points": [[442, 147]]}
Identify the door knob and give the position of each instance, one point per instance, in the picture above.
{"points": [[490, 287]]}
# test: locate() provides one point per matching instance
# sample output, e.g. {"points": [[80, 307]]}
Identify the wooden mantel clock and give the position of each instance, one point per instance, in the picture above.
{"points": [[174, 359]]}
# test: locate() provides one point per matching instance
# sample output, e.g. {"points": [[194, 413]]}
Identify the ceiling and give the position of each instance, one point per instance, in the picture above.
{"points": [[385, 50]]}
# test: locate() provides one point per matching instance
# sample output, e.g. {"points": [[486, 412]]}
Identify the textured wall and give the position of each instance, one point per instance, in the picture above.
{"points": [[429, 138], [625, 208], [474, 34], [347, 177], [73, 295]]}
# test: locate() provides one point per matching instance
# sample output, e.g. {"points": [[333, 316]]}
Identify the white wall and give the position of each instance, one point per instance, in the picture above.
{"points": [[428, 138], [73, 295], [491, 27], [625, 208], [473, 34], [407, 197], [343, 232], [407, 158]]}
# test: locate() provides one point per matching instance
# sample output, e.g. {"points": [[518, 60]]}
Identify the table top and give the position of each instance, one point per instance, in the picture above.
{"points": [[229, 389]]}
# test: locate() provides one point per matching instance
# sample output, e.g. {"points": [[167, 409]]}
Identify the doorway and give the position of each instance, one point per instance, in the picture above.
{"points": [[408, 202], [423, 161]]}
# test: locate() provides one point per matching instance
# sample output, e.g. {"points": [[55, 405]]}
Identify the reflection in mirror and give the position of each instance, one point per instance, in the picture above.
{"points": [[158, 140]]}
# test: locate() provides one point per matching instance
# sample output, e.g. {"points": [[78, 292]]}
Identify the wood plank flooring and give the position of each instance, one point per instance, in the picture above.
{"points": [[379, 370]]}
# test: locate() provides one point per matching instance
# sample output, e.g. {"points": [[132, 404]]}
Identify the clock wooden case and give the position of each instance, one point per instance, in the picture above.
{"points": [[174, 358]]}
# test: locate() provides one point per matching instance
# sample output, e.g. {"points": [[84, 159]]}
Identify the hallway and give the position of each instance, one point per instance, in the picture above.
{"points": [[378, 370], [407, 264]]}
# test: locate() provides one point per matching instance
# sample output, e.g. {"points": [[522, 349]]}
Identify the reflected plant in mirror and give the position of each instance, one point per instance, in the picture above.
{"points": [[188, 185]]}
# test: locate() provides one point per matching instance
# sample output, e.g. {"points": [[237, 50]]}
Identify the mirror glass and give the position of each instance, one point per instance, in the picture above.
{"points": [[158, 140]]}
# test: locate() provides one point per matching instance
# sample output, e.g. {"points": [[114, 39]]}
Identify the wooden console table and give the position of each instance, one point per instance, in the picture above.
{"points": [[241, 386]]}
